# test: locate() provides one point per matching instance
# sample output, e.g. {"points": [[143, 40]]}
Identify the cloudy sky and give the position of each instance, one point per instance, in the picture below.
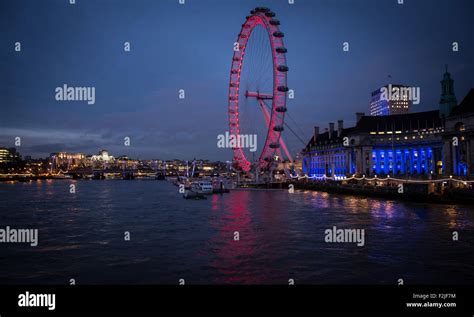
{"points": [[189, 47]]}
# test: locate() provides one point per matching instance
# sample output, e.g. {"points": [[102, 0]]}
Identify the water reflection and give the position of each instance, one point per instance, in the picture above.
{"points": [[451, 215], [385, 209], [281, 236], [235, 236], [215, 202]]}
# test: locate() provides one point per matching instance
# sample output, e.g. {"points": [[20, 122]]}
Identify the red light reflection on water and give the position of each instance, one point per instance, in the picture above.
{"points": [[233, 257], [215, 202]]}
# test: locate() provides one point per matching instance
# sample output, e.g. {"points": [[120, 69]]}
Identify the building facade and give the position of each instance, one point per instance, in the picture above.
{"points": [[458, 139], [409, 144], [70, 159], [103, 156], [9, 155], [416, 145], [326, 155]]}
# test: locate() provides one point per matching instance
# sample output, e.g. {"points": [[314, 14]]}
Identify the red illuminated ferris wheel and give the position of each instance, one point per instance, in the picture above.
{"points": [[258, 83]]}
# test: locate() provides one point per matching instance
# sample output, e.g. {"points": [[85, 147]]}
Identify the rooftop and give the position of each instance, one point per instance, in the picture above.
{"points": [[467, 105]]}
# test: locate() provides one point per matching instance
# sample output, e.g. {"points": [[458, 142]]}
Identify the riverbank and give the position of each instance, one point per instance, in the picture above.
{"points": [[27, 178], [411, 192]]}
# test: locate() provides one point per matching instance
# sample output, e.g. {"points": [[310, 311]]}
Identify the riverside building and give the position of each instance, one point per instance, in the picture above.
{"points": [[416, 145]]}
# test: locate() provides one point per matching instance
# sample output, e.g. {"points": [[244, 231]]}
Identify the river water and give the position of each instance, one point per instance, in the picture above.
{"points": [[281, 237]]}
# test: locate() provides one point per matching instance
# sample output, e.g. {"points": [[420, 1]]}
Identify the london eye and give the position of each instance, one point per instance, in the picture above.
{"points": [[258, 90]]}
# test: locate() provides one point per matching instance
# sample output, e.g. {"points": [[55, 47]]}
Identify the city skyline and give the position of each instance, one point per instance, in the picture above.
{"points": [[150, 146], [137, 91]]}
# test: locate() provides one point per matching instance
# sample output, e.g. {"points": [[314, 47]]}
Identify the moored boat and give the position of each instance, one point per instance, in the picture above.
{"points": [[202, 187], [189, 194]]}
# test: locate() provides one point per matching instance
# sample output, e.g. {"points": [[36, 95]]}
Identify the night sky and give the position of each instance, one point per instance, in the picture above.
{"points": [[190, 47]]}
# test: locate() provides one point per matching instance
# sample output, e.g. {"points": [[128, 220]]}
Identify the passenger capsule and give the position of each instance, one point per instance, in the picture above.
{"points": [[278, 34], [262, 9]]}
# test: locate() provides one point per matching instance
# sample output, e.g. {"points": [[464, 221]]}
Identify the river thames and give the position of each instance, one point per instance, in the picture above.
{"points": [[281, 237]]}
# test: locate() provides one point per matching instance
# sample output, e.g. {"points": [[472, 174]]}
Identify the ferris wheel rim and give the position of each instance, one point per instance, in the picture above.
{"points": [[264, 17]]}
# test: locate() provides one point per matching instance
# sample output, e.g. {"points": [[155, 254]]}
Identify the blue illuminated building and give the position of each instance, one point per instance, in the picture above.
{"points": [[415, 145], [409, 144]]}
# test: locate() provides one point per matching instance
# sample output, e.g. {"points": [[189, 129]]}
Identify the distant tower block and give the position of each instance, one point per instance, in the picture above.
{"points": [[380, 106]]}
